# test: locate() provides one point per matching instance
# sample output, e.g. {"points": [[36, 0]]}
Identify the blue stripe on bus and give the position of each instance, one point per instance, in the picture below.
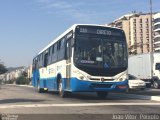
{"points": [[77, 85], [49, 83], [35, 78], [84, 86]]}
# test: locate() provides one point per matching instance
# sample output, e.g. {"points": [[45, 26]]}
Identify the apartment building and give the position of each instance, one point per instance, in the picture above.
{"points": [[137, 27], [157, 32]]}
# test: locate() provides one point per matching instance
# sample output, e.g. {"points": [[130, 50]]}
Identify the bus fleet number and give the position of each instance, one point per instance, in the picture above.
{"points": [[83, 30]]}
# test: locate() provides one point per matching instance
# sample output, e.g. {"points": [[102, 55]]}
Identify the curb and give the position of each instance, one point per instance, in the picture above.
{"points": [[21, 85], [155, 98], [26, 86], [143, 97]]}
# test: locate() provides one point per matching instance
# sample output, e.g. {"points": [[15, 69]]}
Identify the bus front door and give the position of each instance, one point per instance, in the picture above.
{"points": [[68, 63]]}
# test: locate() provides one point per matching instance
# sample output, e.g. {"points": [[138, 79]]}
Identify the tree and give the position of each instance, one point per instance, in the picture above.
{"points": [[24, 74], [3, 69], [22, 80]]}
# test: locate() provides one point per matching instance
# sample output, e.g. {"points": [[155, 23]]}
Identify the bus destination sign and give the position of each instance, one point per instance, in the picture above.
{"points": [[99, 31]]}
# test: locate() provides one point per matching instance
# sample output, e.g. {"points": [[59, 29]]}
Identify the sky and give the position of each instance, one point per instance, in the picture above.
{"points": [[27, 26]]}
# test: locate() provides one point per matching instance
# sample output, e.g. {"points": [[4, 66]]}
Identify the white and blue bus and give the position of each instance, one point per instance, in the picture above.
{"points": [[85, 58]]}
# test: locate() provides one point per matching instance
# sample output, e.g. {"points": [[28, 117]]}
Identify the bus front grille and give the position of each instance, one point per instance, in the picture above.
{"points": [[102, 85], [98, 79]]}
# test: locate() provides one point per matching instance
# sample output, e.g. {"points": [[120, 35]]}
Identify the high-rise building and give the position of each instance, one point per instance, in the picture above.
{"points": [[137, 27], [156, 32]]}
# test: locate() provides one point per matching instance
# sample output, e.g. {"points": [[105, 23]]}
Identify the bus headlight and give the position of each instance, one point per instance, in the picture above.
{"points": [[81, 77], [88, 77], [123, 77]]}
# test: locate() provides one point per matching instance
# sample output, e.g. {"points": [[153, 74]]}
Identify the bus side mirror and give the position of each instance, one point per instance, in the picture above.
{"points": [[157, 66]]}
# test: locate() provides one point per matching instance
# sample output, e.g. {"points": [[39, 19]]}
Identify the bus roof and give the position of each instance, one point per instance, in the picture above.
{"points": [[68, 30]]}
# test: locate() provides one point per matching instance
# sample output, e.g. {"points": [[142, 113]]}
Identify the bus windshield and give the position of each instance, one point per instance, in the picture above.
{"points": [[100, 53]]}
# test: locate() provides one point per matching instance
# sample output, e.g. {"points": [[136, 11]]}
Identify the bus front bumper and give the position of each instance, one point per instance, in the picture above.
{"points": [[91, 86]]}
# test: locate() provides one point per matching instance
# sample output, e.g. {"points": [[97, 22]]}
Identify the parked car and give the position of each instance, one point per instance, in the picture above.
{"points": [[135, 83]]}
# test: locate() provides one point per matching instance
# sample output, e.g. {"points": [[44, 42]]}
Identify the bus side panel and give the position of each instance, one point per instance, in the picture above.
{"points": [[51, 84], [35, 77], [48, 76]]}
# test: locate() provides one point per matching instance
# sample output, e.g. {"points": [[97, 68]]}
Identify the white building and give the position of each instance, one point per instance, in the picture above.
{"points": [[157, 32], [13, 74], [2, 76], [29, 71]]}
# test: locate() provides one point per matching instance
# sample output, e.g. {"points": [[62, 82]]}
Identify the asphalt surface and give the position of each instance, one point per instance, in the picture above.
{"points": [[147, 91], [26, 102]]}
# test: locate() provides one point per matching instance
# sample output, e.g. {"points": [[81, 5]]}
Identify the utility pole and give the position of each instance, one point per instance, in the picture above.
{"points": [[151, 26], [152, 56]]}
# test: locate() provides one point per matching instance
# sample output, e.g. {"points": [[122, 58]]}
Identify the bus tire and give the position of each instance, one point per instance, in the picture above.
{"points": [[102, 94], [156, 84], [61, 91], [40, 90]]}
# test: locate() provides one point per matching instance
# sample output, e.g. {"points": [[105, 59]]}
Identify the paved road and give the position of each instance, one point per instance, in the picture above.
{"points": [[148, 91], [26, 100]]}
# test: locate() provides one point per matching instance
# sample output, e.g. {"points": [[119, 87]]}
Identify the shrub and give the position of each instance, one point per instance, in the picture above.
{"points": [[10, 81], [22, 80]]}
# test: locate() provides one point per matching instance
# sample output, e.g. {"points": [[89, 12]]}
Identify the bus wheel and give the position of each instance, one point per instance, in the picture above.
{"points": [[102, 95], [62, 93], [156, 85], [40, 90]]}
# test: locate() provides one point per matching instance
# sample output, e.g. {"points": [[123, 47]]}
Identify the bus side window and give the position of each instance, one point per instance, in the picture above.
{"points": [[52, 49], [35, 64], [54, 56], [49, 55], [46, 59], [61, 50], [68, 49], [41, 60]]}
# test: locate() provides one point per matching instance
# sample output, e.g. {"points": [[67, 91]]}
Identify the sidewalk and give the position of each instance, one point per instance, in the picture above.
{"points": [[144, 97], [148, 94]]}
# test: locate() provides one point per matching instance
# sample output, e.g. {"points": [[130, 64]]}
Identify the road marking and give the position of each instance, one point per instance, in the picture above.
{"points": [[76, 105], [30, 86]]}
